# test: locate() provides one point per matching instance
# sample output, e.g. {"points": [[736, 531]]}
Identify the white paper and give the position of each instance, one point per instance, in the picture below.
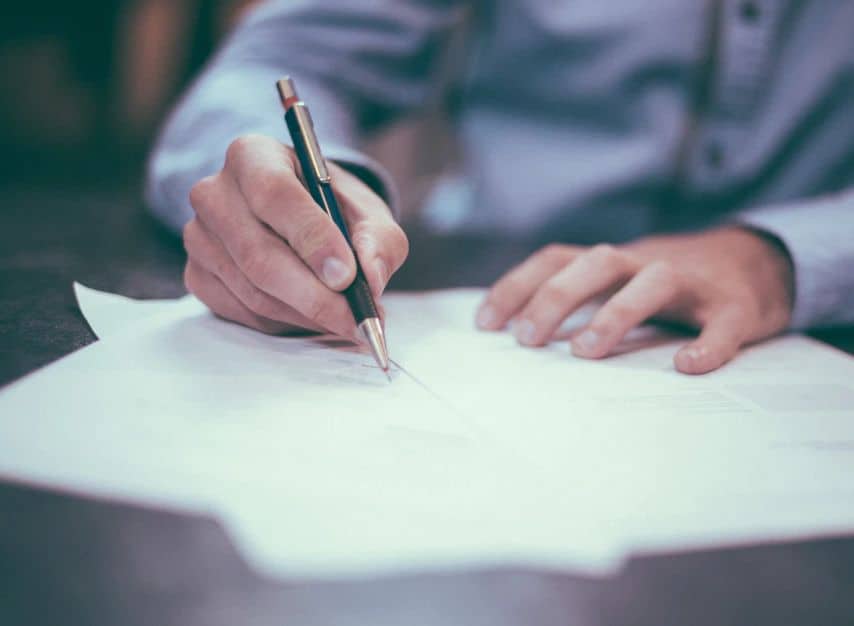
{"points": [[491, 454], [317, 465], [762, 449], [109, 313]]}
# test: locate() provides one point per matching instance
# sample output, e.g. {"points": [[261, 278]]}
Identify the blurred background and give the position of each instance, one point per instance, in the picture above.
{"points": [[85, 86]]}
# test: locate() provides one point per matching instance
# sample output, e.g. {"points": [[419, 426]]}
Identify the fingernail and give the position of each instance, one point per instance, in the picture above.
{"points": [[485, 317], [586, 342], [335, 273], [694, 353], [524, 330], [690, 354]]}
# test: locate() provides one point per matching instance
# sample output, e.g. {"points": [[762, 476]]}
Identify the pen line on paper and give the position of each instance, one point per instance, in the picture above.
{"points": [[508, 449], [421, 384], [456, 411]]}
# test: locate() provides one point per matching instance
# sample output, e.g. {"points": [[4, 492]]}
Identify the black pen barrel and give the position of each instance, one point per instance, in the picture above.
{"points": [[358, 294]]}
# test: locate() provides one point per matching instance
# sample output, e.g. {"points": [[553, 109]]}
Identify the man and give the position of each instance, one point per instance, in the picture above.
{"points": [[712, 142]]}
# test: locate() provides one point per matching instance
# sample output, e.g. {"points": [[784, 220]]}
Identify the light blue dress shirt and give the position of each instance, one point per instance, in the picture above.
{"points": [[579, 120]]}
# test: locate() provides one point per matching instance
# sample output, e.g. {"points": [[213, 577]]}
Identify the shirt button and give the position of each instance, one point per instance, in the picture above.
{"points": [[714, 155], [749, 11]]}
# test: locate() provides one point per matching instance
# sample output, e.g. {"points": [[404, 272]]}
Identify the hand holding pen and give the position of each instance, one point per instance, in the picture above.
{"points": [[262, 253], [318, 180]]}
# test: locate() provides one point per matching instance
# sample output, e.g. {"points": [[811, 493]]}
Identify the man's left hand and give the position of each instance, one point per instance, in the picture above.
{"points": [[734, 285]]}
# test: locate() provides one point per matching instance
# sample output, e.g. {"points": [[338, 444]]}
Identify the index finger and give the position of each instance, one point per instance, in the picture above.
{"points": [[513, 290], [267, 261], [266, 176]]}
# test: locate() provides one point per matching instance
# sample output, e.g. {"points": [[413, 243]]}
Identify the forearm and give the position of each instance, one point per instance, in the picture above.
{"points": [[348, 83], [226, 103]]}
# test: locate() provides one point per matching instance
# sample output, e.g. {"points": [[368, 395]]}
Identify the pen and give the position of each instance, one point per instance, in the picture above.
{"points": [[319, 184]]}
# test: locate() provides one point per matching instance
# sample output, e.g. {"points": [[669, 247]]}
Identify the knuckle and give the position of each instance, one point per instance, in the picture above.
{"points": [[394, 243], [256, 265], [222, 267], [316, 307], [201, 193], [238, 149], [189, 236], [552, 253], [193, 281], [244, 252], [196, 243], [606, 254], [187, 231], [315, 234], [665, 272], [399, 242], [268, 190], [255, 301]]}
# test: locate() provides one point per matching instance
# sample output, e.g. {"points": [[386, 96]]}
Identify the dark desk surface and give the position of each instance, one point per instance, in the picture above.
{"points": [[72, 560]]}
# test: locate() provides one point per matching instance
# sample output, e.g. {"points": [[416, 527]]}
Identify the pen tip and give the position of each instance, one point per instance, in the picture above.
{"points": [[372, 331]]}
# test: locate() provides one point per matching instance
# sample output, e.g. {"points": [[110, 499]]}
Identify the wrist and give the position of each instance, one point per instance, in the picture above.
{"points": [[767, 262], [740, 259]]}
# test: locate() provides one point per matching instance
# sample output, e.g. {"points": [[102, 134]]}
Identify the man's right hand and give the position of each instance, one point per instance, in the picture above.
{"points": [[262, 253]]}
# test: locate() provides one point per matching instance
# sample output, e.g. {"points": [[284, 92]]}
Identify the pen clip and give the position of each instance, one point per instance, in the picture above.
{"points": [[315, 156]]}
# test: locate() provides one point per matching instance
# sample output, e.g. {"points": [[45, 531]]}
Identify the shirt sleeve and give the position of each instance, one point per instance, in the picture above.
{"points": [[358, 64], [818, 233]]}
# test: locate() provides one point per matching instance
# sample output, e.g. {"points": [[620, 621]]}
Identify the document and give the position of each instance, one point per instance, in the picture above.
{"points": [[317, 465], [478, 452]]}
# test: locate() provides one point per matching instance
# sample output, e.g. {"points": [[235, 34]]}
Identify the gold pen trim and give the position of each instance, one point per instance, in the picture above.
{"points": [[372, 331], [315, 156]]}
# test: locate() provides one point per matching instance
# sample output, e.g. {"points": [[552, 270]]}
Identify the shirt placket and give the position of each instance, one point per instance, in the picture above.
{"points": [[741, 61]]}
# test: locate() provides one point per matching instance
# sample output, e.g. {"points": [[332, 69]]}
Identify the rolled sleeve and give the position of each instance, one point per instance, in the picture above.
{"points": [[195, 138], [356, 64], [818, 234]]}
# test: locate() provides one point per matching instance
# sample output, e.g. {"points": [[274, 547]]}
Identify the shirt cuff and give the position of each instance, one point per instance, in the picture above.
{"points": [[337, 137], [196, 147], [817, 235], [369, 171]]}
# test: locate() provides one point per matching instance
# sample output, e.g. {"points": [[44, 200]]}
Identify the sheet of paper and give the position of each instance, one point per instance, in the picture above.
{"points": [[317, 465], [761, 450], [487, 453], [108, 313]]}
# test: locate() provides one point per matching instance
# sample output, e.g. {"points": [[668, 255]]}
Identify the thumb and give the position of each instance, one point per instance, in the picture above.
{"points": [[719, 342]]}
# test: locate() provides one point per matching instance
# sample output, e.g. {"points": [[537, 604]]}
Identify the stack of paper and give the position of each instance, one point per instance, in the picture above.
{"points": [[478, 452]]}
